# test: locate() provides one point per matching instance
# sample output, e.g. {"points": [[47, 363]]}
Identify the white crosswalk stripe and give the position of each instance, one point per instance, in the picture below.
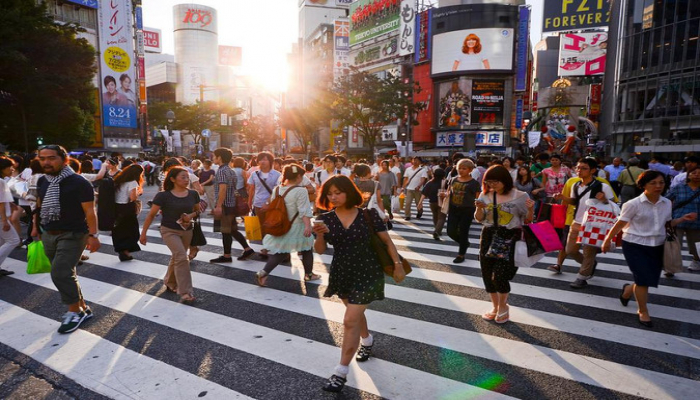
{"points": [[242, 341]]}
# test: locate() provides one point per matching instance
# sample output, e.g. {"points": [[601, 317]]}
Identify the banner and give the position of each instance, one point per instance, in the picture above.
{"points": [[521, 58], [376, 53], [575, 15], [582, 54], [454, 107], [152, 40], [595, 97], [407, 29], [533, 139], [341, 48], [372, 18], [117, 64], [482, 138], [487, 102], [423, 27], [473, 50]]}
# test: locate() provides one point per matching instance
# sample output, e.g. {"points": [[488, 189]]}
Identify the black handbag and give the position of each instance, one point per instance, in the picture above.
{"points": [[502, 241], [380, 248], [198, 238]]}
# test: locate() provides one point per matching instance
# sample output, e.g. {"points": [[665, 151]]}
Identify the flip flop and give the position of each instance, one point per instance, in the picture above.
{"points": [[489, 316], [499, 318]]}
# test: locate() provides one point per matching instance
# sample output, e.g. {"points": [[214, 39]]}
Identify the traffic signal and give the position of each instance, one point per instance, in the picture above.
{"points": [[40, 140]]}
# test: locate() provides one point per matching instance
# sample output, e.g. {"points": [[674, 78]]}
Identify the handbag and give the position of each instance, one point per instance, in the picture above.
{"points": [[242, 208], [673, 260], [198, 238], [558, 215], [37, 261], [395, 204], [445, 206], [372, 203], [541, 238], [522, 257], [502, 241], [380, 248], [253, 230]]}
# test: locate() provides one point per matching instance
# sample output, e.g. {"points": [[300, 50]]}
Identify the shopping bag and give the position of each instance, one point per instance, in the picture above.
{"points": [[522, 258], [557, 215], [673, 260], [395, 204], [198, 238], [545, 234], [598, 219], [545, 212], [37, 262], [252, 228]]}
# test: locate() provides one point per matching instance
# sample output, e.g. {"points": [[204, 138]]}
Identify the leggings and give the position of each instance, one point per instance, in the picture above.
{"points": [[228, 240], [307, 258], [459, 220]]}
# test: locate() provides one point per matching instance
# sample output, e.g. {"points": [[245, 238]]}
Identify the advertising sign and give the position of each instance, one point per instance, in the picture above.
{"points": [[521, 58], [87, 3], [595, 99], [117, 64], [373, 54], [194, 77], [575, 15], [487, 102], [582, 54], [519, 113], [193, 16], [341, 48], [473, 50], [407, 29], [230, 55], [454, 107], [372, 18], [456, 139], [489, 138], [152, 40], [424, 29]]}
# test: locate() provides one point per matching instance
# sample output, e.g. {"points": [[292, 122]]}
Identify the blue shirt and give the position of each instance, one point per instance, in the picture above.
{"points": [[96, 164], [261, 193], [614, 171], [679, 194]]}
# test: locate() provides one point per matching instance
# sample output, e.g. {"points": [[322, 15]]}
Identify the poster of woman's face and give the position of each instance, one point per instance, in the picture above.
{"points": [[454, 104], [487, 48]]}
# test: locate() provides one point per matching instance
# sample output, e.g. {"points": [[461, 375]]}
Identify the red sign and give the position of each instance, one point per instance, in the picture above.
{"points": [[596, 94], [151, 40], [142, 68], [195, 16]]}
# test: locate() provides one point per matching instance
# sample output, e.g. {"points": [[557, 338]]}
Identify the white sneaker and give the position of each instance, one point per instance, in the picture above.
{"points": [[694, 266]]}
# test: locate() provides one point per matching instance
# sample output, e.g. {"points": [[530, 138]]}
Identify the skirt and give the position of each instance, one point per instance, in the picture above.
{"points": [[645, 262], [125, 234]]}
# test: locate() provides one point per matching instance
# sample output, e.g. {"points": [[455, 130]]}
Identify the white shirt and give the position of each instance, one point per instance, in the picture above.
{"points": [[476, 174], [415, 182], [121, 195], [323, 176], [6, 197], [679, 179], [581, 210], [397, 171], [375, 169], [646, 222]]}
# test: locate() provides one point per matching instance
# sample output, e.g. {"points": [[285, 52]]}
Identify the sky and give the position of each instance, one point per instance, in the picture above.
{"points": [[265, 29]]}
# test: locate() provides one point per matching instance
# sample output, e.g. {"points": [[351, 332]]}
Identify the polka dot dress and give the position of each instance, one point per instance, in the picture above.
{"points": [[355, 272]]}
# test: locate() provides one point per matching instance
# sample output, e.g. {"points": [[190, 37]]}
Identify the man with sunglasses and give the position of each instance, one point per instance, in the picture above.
{"points": [[576, 192], [66, 214]]}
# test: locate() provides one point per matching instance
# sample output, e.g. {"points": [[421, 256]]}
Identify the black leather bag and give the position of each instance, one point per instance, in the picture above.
{"points": [[198, 238]]}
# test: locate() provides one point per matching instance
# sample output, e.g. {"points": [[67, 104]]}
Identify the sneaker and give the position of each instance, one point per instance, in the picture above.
{"points": [[363, 353], [88, 313], [555, 268], [245, 255], [71, 321], [221, 259], [335, 384], [579, 284], [694, 266]]}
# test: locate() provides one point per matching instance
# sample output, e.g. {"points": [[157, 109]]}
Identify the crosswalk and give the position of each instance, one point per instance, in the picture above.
{"points": [[241, 341]]}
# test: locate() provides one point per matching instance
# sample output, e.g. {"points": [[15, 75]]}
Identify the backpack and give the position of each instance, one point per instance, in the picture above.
{"points": [[273, 215]]}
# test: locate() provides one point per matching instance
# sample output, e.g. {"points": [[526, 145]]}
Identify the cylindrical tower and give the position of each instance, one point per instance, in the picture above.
{"points": [[196, 51]]}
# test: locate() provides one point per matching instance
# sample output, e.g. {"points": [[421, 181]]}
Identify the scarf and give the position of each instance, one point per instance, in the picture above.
{"points": [[51, 204]]}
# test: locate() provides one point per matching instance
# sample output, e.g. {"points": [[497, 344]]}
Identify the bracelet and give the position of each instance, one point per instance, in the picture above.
{"points": [[398, 262]]}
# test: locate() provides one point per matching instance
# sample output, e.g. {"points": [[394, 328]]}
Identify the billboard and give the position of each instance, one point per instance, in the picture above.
{"points": [[575, 15], [521, 57], [372, 18], [117, 71], [152, 40], [473, 50], [582, 54], [423, 27], [375, 53], [341, 48], [230, 55], [454, 106], [482, 138], [407, 30], [487, 102]]}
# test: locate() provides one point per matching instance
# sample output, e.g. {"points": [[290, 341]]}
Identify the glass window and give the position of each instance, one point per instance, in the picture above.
{"points": [[656, 48], [667, 41], [680, 42], [669, 14], [644, 62], [692, 40], [694, 11], [635, 52]]}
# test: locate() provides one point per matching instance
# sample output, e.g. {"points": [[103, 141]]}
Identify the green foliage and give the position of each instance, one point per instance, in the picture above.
{"points": [[192, 117], [46, 75], [368, 103], [261, 129], [304, 122]]}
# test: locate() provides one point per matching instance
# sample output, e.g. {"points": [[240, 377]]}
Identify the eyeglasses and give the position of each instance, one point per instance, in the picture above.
{"points": [[583, 168], [491, 183]]}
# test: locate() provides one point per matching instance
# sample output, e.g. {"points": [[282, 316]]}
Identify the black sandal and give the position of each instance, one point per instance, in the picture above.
{"points": [[623, 300], [363, 353], [335, 384]]}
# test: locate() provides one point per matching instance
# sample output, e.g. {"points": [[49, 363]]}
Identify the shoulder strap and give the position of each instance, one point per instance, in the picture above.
{"points": [[495, 210], [630, 173], [368, 220], [263, 182], [685, 203], [413, 176]]}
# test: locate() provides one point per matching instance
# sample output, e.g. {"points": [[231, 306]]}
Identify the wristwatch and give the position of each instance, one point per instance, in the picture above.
{"points": [[94, 235]]}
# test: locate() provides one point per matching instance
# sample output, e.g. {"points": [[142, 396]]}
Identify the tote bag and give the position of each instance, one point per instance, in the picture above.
{"points": [[252, 228], [673, 260]]}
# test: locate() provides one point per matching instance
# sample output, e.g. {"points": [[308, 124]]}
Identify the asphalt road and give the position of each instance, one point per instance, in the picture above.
{"points": [[281, 342]]}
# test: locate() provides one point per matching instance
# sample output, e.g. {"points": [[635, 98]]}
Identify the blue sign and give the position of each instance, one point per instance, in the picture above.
{"points": [[87, 3], [456, 139], [521, 58], [206, 132], [119, 116], [519, 113], [139, 18]]}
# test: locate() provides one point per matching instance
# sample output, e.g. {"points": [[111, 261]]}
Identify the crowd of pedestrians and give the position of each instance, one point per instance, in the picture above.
{"points": [[341, 203]]}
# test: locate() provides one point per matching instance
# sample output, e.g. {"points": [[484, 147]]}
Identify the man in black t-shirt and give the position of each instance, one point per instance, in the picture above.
{"points": [[66, 214]]}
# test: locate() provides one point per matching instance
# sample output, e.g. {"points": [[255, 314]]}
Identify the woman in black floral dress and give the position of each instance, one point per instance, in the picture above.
{"points": [[355, 276]]}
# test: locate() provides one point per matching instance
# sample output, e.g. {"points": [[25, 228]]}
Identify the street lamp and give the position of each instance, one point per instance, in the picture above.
{"points": [[170, 116]]}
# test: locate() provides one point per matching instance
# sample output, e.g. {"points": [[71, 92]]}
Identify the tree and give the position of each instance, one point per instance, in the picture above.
{"points": [[368, 103], [261, 129], [304, 122], [46, 75]]}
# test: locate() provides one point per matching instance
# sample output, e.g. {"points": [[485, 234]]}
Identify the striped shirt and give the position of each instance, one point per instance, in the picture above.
{"points": [[226, 176], [680, 194]]}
